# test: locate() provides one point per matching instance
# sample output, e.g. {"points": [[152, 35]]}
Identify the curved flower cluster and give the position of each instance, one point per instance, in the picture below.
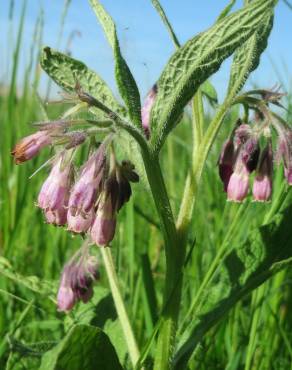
{"points": [[242, 155], [91, 203]]}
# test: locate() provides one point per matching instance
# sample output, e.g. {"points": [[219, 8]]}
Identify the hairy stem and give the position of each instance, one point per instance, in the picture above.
{"points": [[174, 252], [120, 306]]}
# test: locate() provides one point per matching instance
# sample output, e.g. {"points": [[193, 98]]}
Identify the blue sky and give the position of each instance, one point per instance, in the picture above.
{"points": [[144, 41]]}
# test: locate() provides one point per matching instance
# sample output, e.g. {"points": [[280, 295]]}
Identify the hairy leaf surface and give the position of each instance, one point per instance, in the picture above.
{"points": [[247, 57], [125, 80], [66, 71], [200, 57]]}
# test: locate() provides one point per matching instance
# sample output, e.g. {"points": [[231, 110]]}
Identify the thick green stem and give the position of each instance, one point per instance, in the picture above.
{"points": [[120, 307], [174, 252]]}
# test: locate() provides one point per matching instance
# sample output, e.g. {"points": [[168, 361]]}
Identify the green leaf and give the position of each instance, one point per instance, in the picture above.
{"points": [[209, 91], [198, 59], [66, 71], [125, 80], [226, 10], [166, 22], [247, 57], [266, 251], [84, 347]]}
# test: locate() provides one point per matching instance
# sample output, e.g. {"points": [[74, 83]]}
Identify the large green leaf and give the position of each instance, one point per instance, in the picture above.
{"points": [[66, 71], [199, 58], [125, 80], [266, 252], [84, 347]]}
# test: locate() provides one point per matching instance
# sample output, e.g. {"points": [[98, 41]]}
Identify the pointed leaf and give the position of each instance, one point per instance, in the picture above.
{"points": [[66, 71], [198, 59], [125, 80], [247, 57]]}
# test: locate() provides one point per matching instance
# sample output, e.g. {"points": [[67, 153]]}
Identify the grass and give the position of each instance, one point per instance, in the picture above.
{"points": [[255, 334]]}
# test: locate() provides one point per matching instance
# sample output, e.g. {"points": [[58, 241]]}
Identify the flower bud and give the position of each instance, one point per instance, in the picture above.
{"points": [[54, 194], [146, 109], [262, 186], [225, 162], [29, 146]]}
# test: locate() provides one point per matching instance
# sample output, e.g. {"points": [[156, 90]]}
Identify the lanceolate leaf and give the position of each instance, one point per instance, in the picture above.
{"points": [[66, 71], [84, 347], [200, 57], [125, 80], [247, 57], [266, 252]]}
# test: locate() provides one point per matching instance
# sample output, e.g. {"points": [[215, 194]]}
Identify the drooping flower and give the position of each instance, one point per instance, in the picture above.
{"points": [[77, 282], [84, 192], [238, 185], [284, 151], [262, 186], [242, 134], [116, 192], [146, 109], [104, 226], [54, 194], [250, 152], [226, 162], [30, 146], [80, 223]]}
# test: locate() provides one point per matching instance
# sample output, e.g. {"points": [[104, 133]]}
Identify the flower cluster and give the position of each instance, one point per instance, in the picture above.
{"points": [[87, 200], [248, 150], [91, 203]]}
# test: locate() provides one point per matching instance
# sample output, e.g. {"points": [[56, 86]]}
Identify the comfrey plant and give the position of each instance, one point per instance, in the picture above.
{"points": [[88, 201]]}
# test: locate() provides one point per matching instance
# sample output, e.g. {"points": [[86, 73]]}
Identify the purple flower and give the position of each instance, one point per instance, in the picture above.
{"points": [[262, 186], [77, 282], [250, 152], [29, 146], [238, 185], [146, 109], [54, 194], [80, 223], [104, 226], [116, 192], [242, 134], [225, 162], [85, 190], [284, 151]]}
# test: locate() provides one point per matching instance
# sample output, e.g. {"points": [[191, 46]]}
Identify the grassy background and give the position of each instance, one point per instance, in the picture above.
{"points": [[256, 334]]}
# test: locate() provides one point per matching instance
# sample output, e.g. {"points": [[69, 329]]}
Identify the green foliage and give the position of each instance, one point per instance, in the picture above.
{"points": [[245, 267], [193, 63], [84, 347], [66, 72], [125, 80], [219, 328], [247, 57]]}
